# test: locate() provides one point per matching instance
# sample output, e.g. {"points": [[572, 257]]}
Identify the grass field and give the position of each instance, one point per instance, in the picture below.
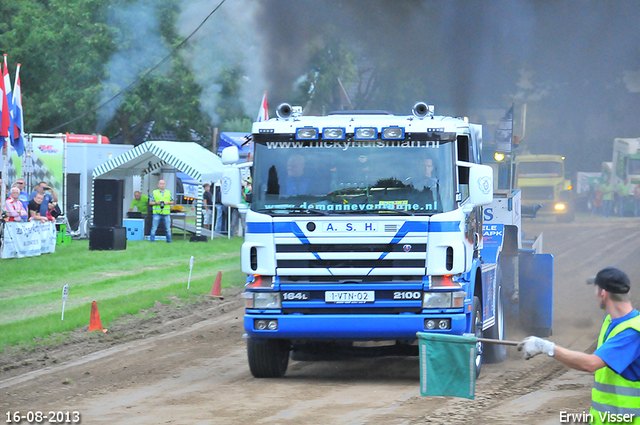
{"points": [[122, 282]]}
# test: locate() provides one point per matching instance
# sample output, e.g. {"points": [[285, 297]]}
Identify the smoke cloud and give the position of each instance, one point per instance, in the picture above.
{"points": [[574, 63], [229, 38], [142, 49]]}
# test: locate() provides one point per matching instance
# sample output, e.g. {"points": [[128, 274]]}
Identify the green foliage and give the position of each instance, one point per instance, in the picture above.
{"points": [[66, 49], [331, 63], [229, 105], [62, 46], [242, 125]]}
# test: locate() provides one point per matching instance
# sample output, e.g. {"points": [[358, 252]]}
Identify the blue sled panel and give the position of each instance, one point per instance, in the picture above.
{"points": [[536, 293]]}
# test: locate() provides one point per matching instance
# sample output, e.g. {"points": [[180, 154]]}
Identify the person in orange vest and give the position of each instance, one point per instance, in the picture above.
{"points": [[161, 201]]}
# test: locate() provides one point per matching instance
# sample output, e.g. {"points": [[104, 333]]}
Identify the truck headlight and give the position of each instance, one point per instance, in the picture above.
{"points": [[559, 206], [264, 300], [436, 300]]}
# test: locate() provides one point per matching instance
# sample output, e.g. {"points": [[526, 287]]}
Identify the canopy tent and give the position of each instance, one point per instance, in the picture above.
{"points": [[190, 158], [228, 138]]}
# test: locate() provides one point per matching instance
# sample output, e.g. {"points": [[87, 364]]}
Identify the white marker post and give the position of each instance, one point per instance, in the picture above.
{"points": [[190, 268], [65, 295]]}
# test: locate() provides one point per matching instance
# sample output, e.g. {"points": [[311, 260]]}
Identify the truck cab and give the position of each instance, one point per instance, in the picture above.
{"points": [[541, 179], [625, 167], [364, 229]]}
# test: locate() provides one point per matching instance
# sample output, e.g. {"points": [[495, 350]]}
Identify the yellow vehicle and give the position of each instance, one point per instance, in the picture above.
{"points": [[541, 179]]}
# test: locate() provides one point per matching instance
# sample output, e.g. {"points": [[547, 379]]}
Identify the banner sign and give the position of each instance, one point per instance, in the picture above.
{"points": [[44, 164], [28, 239]]}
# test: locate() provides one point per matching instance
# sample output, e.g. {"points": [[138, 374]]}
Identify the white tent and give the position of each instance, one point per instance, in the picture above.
{"points": [[188, 157]]}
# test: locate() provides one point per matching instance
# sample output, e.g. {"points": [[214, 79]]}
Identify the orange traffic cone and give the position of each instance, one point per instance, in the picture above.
{"points": [[216, 291], [95, 323]]}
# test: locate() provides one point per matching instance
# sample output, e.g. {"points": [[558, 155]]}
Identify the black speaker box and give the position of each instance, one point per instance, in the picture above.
{"points": [[108, 196], [107, 238], [148, 224]]}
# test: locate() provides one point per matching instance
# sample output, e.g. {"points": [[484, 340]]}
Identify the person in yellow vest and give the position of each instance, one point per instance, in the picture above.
{"points": [[607, 198], [615, 397], [161, 201]]}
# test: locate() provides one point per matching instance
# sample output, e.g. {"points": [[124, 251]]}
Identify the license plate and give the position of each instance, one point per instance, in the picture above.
{"points": [[349, 297]]}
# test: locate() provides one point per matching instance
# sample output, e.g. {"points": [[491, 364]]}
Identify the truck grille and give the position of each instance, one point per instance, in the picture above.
{"points": [[537, 193], [343, 259], [323, 264], [349, 248], [349, 310]]}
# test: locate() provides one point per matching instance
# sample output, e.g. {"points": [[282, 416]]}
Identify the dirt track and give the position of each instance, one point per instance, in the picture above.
{"points": [[190, 365]]}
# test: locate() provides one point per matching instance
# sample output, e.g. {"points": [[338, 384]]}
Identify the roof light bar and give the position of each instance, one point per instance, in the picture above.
{"points": [[307, 133], [392, 133], [333, 133], [365, 133]]}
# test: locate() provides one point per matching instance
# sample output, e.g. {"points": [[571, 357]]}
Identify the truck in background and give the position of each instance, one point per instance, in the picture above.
{"points": [[625, 168], [541, 179], [366, 227]]}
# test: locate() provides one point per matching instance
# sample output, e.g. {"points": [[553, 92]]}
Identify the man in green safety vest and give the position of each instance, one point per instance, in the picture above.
{"points": [[161, 201], [615, 397]]}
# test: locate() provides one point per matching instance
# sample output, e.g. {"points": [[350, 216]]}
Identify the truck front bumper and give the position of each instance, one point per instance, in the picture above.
{"points": [[351, 327]]}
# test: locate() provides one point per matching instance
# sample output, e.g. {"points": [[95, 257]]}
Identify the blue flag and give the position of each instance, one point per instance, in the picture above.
{"points": [[17, 138]]}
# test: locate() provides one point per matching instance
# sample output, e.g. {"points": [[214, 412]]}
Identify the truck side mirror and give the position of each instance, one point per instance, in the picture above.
{"points": [[230, 155], [480, 184], [230, 190]]}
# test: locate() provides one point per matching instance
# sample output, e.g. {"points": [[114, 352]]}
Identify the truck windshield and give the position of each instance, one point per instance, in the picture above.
{"points": [[349, 177], [634, 166], [540, 169]]}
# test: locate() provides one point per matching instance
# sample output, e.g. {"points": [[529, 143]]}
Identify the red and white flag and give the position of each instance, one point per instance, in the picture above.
{"points": [[7, 94], [263, 113], [5, 118]]}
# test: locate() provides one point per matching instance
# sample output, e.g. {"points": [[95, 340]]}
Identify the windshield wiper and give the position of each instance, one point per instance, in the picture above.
{"points": [[294, 209]]}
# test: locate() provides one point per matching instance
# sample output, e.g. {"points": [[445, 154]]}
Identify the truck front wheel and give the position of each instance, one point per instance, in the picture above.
{"points": [[268, 358], [496, 353], [476, 329]]}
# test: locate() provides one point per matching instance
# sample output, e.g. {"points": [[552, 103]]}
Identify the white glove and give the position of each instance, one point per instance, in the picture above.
{"points": [[533, 346]]}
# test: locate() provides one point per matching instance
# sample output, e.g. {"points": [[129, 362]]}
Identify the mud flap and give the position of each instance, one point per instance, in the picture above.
{"points": [[536, 293]]}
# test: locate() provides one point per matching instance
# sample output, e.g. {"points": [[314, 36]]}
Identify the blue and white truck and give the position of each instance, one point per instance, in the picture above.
{"points": [[367, 227]]}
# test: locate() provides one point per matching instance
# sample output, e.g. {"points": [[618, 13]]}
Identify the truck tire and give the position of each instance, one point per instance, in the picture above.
{"points": [[476, 329], [268, 358], [496, 353]]}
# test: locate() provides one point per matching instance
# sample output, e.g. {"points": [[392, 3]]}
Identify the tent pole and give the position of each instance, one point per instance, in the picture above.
{"points": [[5, 178], [199, 211]]}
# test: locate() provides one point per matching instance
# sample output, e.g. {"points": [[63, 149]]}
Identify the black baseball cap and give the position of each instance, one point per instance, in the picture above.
{"points": [[611, 280]]}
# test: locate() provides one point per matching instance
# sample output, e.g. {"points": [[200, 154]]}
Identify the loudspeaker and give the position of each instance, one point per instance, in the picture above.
{"points": [[107, 238], [108, 196]]}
